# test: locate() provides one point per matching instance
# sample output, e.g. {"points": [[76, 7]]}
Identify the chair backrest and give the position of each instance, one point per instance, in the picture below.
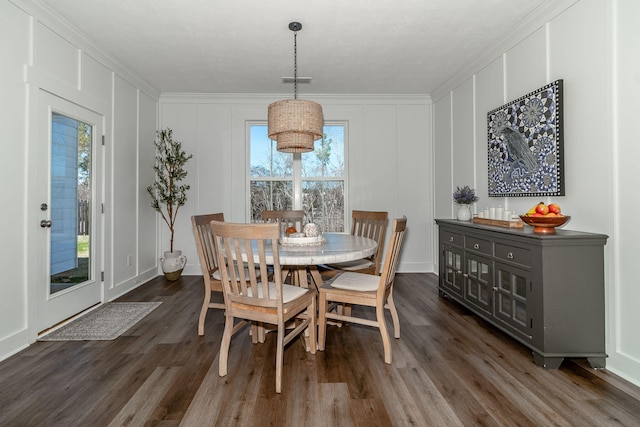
{"points": [[373, 225], [247, 245], [398, 228], [204, 243], [286, 219]]}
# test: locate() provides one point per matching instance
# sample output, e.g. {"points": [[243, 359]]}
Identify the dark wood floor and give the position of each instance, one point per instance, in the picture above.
{"points": [[449, 368]]}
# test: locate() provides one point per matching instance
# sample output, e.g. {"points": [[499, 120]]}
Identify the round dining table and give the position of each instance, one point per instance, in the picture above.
{"points": [[337, 247]]}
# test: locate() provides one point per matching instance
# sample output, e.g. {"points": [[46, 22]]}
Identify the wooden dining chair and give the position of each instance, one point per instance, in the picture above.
{"points": [[208, 263], [257, 299], [286, 219], [371, 224], [366, 290]]}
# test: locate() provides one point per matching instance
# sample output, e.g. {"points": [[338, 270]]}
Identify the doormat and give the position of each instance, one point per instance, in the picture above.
{"points": [[107, 322]]}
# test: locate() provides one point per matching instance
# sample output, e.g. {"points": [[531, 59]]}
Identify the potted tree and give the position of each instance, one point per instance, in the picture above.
{"points": [[168, 194]]}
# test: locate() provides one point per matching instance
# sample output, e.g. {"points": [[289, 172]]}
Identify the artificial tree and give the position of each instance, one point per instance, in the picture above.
{"points": [[167, 194]]}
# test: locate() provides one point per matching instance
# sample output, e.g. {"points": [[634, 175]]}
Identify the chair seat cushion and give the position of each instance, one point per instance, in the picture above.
{"points": [[356, 282], [354, 265], [289, 292], [216, 274]]}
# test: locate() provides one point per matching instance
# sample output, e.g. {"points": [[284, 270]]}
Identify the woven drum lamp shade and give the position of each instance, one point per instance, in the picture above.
{"points": [[295, 124]]}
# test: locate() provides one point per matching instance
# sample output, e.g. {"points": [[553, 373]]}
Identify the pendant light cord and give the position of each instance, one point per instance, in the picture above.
{"points": [[295, 65]]}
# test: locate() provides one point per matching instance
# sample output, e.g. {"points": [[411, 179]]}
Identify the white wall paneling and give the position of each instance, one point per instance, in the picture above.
{"points": [[442, 159], [146, 261], [526, 66], [414, 200], [489, 92], [13, 260], [56, 56], [624, 294], [462, 144], [124, 200]]}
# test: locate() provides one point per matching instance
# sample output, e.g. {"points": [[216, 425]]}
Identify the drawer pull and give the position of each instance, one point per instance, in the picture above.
{"points": [[451, 239], [510, 255], [476, 246]]}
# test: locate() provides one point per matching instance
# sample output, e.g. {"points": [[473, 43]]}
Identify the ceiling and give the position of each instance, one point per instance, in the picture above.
{"points": [[346, 47]]}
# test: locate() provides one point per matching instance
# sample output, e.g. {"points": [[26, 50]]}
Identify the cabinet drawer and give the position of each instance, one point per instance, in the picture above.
{"points": [[451, 238], [513, 254], [478, 245]]}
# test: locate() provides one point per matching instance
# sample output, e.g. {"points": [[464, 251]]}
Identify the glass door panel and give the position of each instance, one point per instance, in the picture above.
{"points": [[70, 245]]}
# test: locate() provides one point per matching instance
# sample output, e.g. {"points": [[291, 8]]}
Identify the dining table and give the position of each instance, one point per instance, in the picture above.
{"points": [[304, 259]]}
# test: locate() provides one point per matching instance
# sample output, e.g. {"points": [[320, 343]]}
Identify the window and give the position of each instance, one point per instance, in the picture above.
{"points": [[314, 181]]}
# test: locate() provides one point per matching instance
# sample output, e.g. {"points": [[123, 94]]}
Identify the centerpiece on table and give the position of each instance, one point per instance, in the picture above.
{"points": [[464, 196], [311, 236]]}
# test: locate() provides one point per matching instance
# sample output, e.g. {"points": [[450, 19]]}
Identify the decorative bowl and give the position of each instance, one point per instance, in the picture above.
{"points": [[545, 224]]}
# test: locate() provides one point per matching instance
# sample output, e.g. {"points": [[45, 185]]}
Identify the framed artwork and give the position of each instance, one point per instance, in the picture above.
{"points": [[525, 145]]}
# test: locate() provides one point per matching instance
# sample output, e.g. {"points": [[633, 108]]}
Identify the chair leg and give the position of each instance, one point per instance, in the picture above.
{"points": [[255, 334], [280, 356], [322, 320], [203, 311], [224, 345], [394, 316], [313, 339], [384, 332]]}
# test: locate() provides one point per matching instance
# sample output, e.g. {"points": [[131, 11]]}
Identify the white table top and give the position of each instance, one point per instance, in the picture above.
{"points": [[339, 247]]}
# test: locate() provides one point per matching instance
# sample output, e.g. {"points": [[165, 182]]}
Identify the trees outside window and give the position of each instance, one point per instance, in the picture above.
{"points": [[320, 176]]}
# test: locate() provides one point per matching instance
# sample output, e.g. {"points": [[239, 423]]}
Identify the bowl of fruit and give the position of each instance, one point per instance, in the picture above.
{"points": [[545, 218]]}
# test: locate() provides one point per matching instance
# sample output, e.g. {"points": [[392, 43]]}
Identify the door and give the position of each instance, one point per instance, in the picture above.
{"points": [[68, 188]]}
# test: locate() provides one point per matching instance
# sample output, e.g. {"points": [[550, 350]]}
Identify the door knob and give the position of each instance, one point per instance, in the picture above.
{"points": [[45, 224]]}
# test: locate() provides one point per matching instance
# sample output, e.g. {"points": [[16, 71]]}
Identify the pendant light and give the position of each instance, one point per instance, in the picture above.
{"points": [[295, 123]]}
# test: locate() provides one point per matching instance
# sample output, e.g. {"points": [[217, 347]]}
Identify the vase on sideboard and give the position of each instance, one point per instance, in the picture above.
{"points": [[464, 212]]}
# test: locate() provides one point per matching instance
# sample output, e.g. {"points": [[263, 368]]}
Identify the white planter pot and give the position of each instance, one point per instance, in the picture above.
{"points": [[172, 264]]}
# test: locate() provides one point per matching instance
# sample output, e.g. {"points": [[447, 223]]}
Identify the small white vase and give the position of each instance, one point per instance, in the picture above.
{"points": [[464, 212], [311, 230]]}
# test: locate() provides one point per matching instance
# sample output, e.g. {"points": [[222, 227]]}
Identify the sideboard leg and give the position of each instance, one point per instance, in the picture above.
{"points": [[597, 362], [547, 362]]}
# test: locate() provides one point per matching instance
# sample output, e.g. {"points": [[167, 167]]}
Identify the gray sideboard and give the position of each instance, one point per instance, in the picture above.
{"points": [[546, 291]]}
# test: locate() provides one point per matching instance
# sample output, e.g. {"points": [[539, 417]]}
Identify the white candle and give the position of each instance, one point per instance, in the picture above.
{"points": [[492, 213]]}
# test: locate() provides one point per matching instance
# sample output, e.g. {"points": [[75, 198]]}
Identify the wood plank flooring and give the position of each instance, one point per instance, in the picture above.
{"points": [[449, 369]]}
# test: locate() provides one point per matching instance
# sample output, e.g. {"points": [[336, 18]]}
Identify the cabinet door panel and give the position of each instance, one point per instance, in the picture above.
{"points": [[511, 292], [451, 270], [478, 281]]}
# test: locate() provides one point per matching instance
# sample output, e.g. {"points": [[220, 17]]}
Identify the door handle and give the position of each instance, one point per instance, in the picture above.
{"points": [[45, 224]]}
